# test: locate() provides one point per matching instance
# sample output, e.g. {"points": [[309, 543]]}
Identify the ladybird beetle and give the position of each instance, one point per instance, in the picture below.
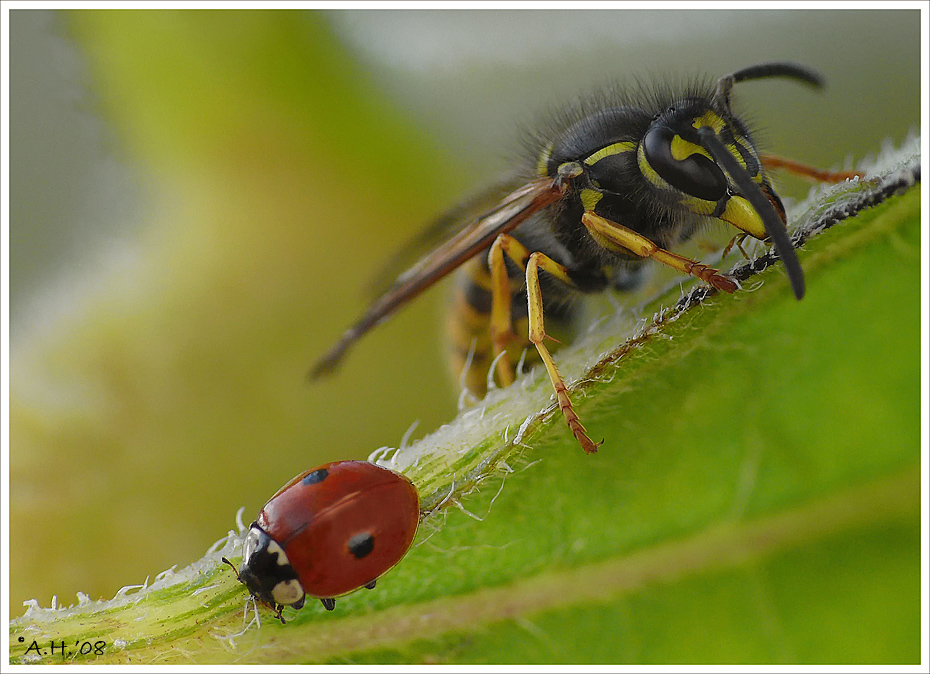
{"points": [[328, 532]]}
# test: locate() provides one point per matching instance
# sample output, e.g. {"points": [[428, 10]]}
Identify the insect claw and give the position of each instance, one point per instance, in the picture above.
{"points": [[588, 445], [721, 282]]}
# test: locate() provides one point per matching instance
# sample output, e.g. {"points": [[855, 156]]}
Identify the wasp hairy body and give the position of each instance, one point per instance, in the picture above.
{"points": [[618, 182]]}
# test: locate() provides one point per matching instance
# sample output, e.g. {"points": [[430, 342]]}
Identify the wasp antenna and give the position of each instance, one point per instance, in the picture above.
{"points": [[794, 71], [753, 193]]}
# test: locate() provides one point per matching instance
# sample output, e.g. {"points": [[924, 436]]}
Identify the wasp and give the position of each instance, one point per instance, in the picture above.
{"points": [[618, 181]]}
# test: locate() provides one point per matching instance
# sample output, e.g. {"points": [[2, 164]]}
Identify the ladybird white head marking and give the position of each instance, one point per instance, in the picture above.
{"points": [[275, 549], [288, 592]]}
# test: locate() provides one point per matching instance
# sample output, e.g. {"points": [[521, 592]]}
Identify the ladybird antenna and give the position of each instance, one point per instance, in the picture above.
{"points": [[233, 567], [774, 225]]}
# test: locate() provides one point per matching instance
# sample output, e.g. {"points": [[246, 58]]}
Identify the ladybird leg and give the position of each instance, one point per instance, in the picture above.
{"points": [[538, 334], [278, 611], [770, 161], [501, 322], [328, 604], [614, 236], [371, 585]]}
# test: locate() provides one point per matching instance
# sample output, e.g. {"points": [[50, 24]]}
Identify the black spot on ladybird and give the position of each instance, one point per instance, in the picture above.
{"points": [[361, 545], [316, 476]]}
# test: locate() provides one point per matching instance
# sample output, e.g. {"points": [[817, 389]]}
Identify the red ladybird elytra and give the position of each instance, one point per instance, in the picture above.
{"points": [[328, 532]]}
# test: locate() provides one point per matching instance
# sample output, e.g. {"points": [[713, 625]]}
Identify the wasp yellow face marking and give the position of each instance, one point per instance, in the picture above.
{"points": [[714, 121], [609, 151], [711, 119], [682, 149], [648, 172], [699, 206], [742, 215]]}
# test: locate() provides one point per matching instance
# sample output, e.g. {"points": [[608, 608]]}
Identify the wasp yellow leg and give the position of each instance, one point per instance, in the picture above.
{"points": [[771, 161], [613, 235], [501, 325], [538, 334]]}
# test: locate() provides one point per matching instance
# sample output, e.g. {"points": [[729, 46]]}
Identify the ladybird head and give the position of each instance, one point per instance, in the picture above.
{"points": [[267, 573]]}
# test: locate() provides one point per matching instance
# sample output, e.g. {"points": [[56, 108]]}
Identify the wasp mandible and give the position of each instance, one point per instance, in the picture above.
{"points": [[618, 180]]}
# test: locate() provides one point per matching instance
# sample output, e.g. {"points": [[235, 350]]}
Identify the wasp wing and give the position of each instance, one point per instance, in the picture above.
{"points": [[509, 212], [467, 213]]}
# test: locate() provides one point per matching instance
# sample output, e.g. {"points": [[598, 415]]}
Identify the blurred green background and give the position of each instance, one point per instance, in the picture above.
{"points": [[198, 200]]}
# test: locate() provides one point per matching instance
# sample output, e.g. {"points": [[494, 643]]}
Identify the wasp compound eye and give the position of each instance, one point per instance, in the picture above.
{"points": [[681, 164]]}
